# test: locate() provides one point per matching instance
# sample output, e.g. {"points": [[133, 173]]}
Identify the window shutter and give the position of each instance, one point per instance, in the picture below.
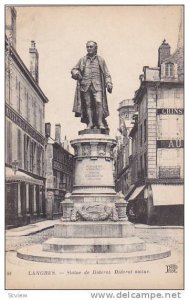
{"points": [[175, 71], [19, 145], [162, 71]]}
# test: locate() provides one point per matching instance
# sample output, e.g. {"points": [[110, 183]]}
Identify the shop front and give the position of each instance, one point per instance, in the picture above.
{"points": [[25, 198]]}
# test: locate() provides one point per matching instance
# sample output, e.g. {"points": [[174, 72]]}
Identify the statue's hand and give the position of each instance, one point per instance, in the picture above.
{"points": [[109, 87], [76, 75]]}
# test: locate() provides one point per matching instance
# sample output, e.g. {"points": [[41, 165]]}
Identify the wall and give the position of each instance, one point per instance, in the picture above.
{"points": [[151, 132], [24, 121], [24, 99], [170, 127]]}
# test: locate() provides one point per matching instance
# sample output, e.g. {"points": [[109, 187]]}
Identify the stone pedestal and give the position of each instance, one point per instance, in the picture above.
{"points": [[93, 194], [67, 207], [103, 229], [121, 207], [93, 176], [93, 243], [94, 229]]}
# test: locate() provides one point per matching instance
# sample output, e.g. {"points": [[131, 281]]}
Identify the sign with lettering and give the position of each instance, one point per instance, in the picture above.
{"points": [[61, 167], [170, 111], [57, 165], [169, 172], [14, 116], [170, 144]]}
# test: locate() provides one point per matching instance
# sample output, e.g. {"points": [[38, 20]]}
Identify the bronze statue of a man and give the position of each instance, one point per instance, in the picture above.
{"points": [[93, 79]]}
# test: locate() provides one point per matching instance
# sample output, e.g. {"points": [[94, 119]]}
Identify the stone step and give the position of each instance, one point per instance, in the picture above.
{"points": [[35, 253], [94, 245], [93, 229]]}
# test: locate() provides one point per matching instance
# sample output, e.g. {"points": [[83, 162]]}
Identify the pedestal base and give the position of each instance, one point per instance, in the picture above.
{"points": [[93, 243], [93, 229], [101, 241]]}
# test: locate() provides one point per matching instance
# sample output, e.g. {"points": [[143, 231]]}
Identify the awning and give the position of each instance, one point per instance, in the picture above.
{"points": [[167, 194], [20, 177], [130, 190], [136, 192]]}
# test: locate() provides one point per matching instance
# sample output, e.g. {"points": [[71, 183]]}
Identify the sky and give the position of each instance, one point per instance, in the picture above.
{"points": [[128, 38]]}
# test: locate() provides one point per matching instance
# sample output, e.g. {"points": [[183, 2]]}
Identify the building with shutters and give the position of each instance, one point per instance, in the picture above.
{"points": [[25, 132], [59, 171], [123, 150], [158, 141]]}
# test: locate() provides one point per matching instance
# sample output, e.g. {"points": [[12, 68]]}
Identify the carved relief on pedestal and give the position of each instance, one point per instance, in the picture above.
{"points": [[101, 150], [94, 212], [86, 150]]}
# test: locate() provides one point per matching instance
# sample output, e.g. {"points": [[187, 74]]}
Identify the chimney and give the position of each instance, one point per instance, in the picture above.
{"points": [[34, 61], [58, 133], [65, 144], [164, 52], [47, 130], [10, 26]]}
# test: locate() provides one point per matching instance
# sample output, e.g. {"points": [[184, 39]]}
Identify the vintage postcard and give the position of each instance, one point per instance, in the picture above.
{"points": [[94, 170]]}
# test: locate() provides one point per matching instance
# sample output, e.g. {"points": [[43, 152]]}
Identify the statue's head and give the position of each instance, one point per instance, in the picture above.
{"points": [[91, 47]]}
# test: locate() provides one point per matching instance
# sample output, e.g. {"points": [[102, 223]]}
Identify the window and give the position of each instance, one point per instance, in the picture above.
{"points": [[28, 111], [7, 88], [145, 164], [40, 121], [11, 93], [26, 103], [34, 157], [145, 130], [55, 178], [9, 142], [141, 134], [19, 98], [169, 70], [141, 166], [55, 154], [43, 110], [25, 151], [38, 160], [35, 114], [19, 145], [31, 156]]}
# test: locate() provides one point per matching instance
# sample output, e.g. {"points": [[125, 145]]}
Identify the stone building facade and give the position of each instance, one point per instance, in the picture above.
{"points": [[60, 167], [123, 150], [158, 142], [24, 133]]}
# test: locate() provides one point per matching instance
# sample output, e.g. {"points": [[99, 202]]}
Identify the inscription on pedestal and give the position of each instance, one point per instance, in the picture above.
{"points": [[93, 172], [93, 163]]}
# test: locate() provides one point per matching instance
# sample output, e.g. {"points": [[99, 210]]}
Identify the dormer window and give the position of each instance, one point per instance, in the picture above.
{"points": [[169, 70]]}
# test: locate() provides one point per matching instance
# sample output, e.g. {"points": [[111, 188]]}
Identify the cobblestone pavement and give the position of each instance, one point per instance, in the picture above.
{"points": [[172, 238], [14, 243]]}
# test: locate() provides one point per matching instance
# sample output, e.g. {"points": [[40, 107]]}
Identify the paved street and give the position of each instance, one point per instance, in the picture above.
{"points": [[75, 276]]}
